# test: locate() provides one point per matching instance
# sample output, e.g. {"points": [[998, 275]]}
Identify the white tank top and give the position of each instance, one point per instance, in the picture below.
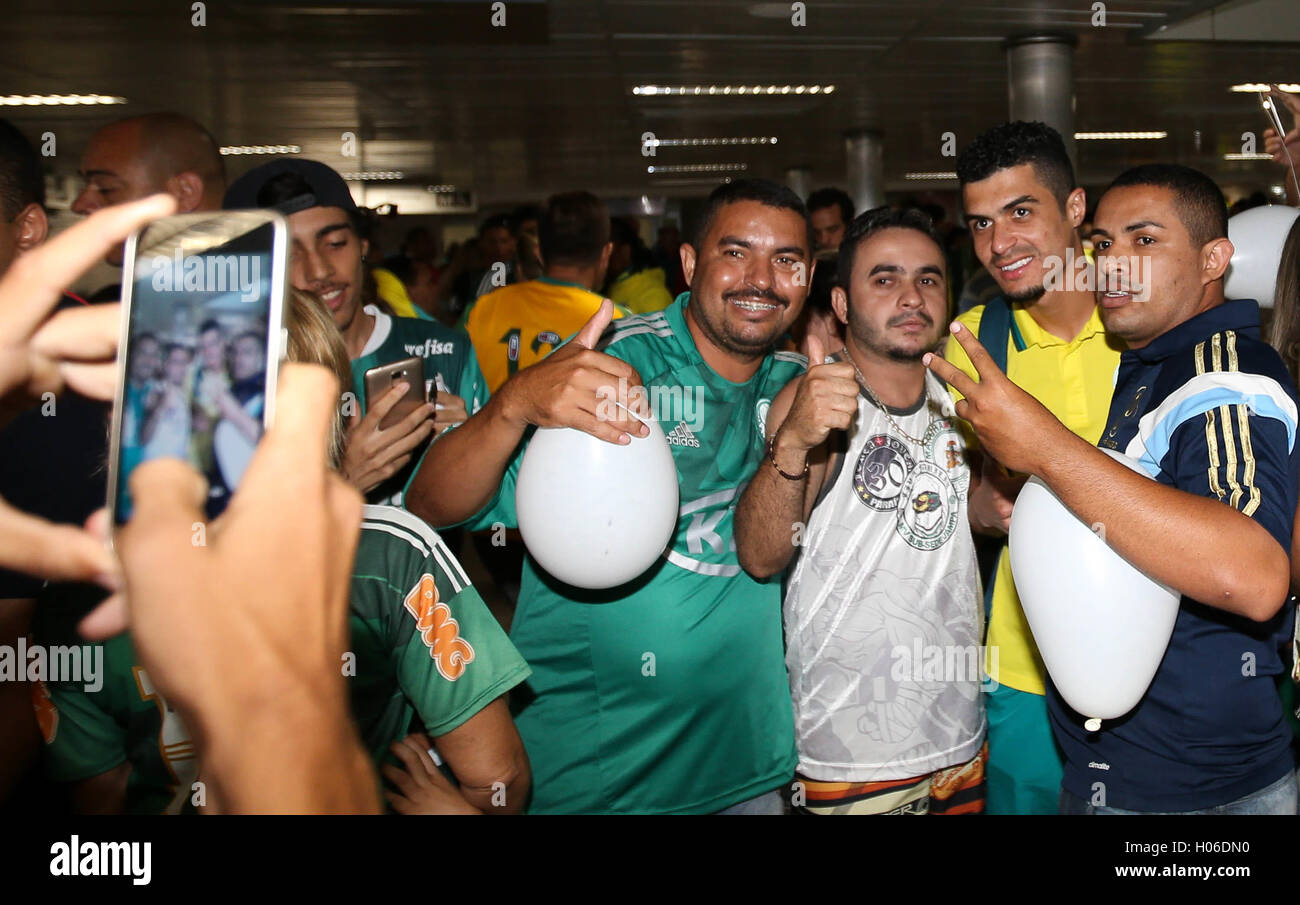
{"points": [[883, 615]]}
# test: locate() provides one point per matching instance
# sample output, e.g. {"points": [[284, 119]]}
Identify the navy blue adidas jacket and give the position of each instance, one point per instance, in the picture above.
{"points": [[1210, 409]]}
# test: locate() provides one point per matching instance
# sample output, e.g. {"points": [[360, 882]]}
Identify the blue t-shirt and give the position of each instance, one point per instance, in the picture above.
{"points": [[1210, 409]]}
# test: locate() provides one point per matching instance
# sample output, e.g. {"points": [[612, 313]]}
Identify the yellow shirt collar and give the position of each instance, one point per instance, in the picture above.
{"points": [[1035, 335]]}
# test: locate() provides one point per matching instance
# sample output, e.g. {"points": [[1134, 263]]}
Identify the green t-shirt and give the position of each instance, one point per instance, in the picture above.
{"points": [[449, 362], [672, 698], [89, 732], [424, 646]]}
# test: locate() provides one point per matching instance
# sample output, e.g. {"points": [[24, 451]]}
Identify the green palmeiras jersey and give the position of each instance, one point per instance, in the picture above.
{"points": [[670, 694], [450, 365], [423, 646]]}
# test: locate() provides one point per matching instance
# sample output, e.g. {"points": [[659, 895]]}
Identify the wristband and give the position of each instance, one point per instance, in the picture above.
{"points": [[771, 457]]}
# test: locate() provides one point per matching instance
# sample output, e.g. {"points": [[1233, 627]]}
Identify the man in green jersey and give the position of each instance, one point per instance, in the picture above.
{"points": [[423, 646], [666, 695], [328, 261]]}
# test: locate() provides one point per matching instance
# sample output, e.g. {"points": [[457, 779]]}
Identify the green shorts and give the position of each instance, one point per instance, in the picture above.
{"points": [[1025, 764]]}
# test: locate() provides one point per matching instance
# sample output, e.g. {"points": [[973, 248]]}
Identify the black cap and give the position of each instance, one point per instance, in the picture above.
{"points": [[321, 187]]}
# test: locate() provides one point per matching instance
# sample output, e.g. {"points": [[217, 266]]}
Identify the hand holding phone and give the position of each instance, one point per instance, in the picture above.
{"points": [[407, 371], [372, 453], [202, 297]]}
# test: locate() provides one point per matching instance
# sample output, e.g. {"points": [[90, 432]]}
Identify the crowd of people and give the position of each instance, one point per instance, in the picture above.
{"points": [[817, 638]]}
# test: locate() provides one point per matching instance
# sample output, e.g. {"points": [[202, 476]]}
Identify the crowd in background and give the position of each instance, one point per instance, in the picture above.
{"points": [[480, 684]]}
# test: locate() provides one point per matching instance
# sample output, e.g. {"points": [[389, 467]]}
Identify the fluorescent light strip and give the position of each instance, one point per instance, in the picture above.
{"points": [[1118, 136], [1289, 88], [441, 189], [698, 168], [374, 175], [57, 100], [929, 177], [711, 142], [1247, 156], [260, 149], [725, 90]]}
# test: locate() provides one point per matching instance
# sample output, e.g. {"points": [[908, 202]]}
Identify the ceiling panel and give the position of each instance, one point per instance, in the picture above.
{"points": [[545, 103]]}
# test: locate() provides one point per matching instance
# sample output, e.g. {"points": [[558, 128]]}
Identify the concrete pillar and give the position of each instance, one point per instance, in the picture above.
{"points": [[799, 179], [1040, 82], [864, 158]]}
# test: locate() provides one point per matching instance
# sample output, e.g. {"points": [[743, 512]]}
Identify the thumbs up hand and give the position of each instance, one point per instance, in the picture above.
{"points": [[574, 386], [827, 399]]}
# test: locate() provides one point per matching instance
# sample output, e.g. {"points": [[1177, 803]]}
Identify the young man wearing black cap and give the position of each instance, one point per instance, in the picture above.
{"points": [[328, 260]]}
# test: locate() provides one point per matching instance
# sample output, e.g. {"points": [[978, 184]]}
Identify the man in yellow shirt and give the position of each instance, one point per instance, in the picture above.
{"points": [[518, 325], [1024, 211]]}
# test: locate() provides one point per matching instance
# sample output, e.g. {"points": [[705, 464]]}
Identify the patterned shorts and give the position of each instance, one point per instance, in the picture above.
{"points": [[953, 790]]}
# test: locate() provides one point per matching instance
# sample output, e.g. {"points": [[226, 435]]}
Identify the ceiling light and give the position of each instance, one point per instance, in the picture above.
{"points": [[930, 177], [697, 168], [712, 142], [374, 176], [679, 90], [1124, 136], [56, 100], [261, 149], [1290, 88], [1247, 156], [441, 189]]}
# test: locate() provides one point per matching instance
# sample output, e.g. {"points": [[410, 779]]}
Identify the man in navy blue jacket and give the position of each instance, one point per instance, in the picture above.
{"points": [[1209, 412]]}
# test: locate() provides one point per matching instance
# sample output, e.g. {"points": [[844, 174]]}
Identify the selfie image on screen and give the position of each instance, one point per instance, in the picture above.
{"points": [[196, 365]]}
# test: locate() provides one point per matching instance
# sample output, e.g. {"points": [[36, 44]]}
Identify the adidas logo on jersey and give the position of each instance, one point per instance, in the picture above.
{"points": [[681, 436]]}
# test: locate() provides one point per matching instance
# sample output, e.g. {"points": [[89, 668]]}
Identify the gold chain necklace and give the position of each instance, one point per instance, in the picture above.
{"points": [[888, 417]]}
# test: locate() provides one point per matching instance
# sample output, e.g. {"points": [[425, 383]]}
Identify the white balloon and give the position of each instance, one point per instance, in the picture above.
{"points": [[1101, 625], [1257, 237], [596, 514]]}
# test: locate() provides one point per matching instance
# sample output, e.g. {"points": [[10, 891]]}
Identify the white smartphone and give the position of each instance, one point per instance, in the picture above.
{"points": [[202, 303]]}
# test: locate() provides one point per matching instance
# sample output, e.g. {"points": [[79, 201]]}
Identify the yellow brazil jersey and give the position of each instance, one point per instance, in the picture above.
{"points": [[389, 288], [1074, 379], [519, 324]]}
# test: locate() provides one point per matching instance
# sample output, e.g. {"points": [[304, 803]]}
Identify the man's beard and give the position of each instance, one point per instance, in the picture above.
{"points": [[869, 338], [718, 334], [1029, 294]]}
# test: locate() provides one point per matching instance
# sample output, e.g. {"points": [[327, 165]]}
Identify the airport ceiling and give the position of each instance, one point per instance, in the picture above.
{"points": [[545, 102]]}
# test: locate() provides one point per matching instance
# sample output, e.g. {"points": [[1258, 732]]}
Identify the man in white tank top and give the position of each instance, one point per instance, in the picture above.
{"points": [[866, 480]]}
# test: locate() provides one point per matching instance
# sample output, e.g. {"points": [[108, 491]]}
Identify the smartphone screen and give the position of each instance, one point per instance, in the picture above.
{"points": [[203, 296]]}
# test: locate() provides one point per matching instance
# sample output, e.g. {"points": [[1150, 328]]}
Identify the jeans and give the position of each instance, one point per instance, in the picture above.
{"points": [[1277, 798]]}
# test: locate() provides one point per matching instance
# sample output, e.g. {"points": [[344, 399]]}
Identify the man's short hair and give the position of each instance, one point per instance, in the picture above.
{"points": [[1014, 144], [764, 191], [210, 324], [873, 221], [496, 221], [574, 229], [259, 338], [523, 214], [832, 197], [1197, 199], [174, 143], [405, 269], [21, 180]]}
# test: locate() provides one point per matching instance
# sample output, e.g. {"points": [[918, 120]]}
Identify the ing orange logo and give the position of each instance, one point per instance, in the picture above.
{"points": [[47, 715], [438, 629]]}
